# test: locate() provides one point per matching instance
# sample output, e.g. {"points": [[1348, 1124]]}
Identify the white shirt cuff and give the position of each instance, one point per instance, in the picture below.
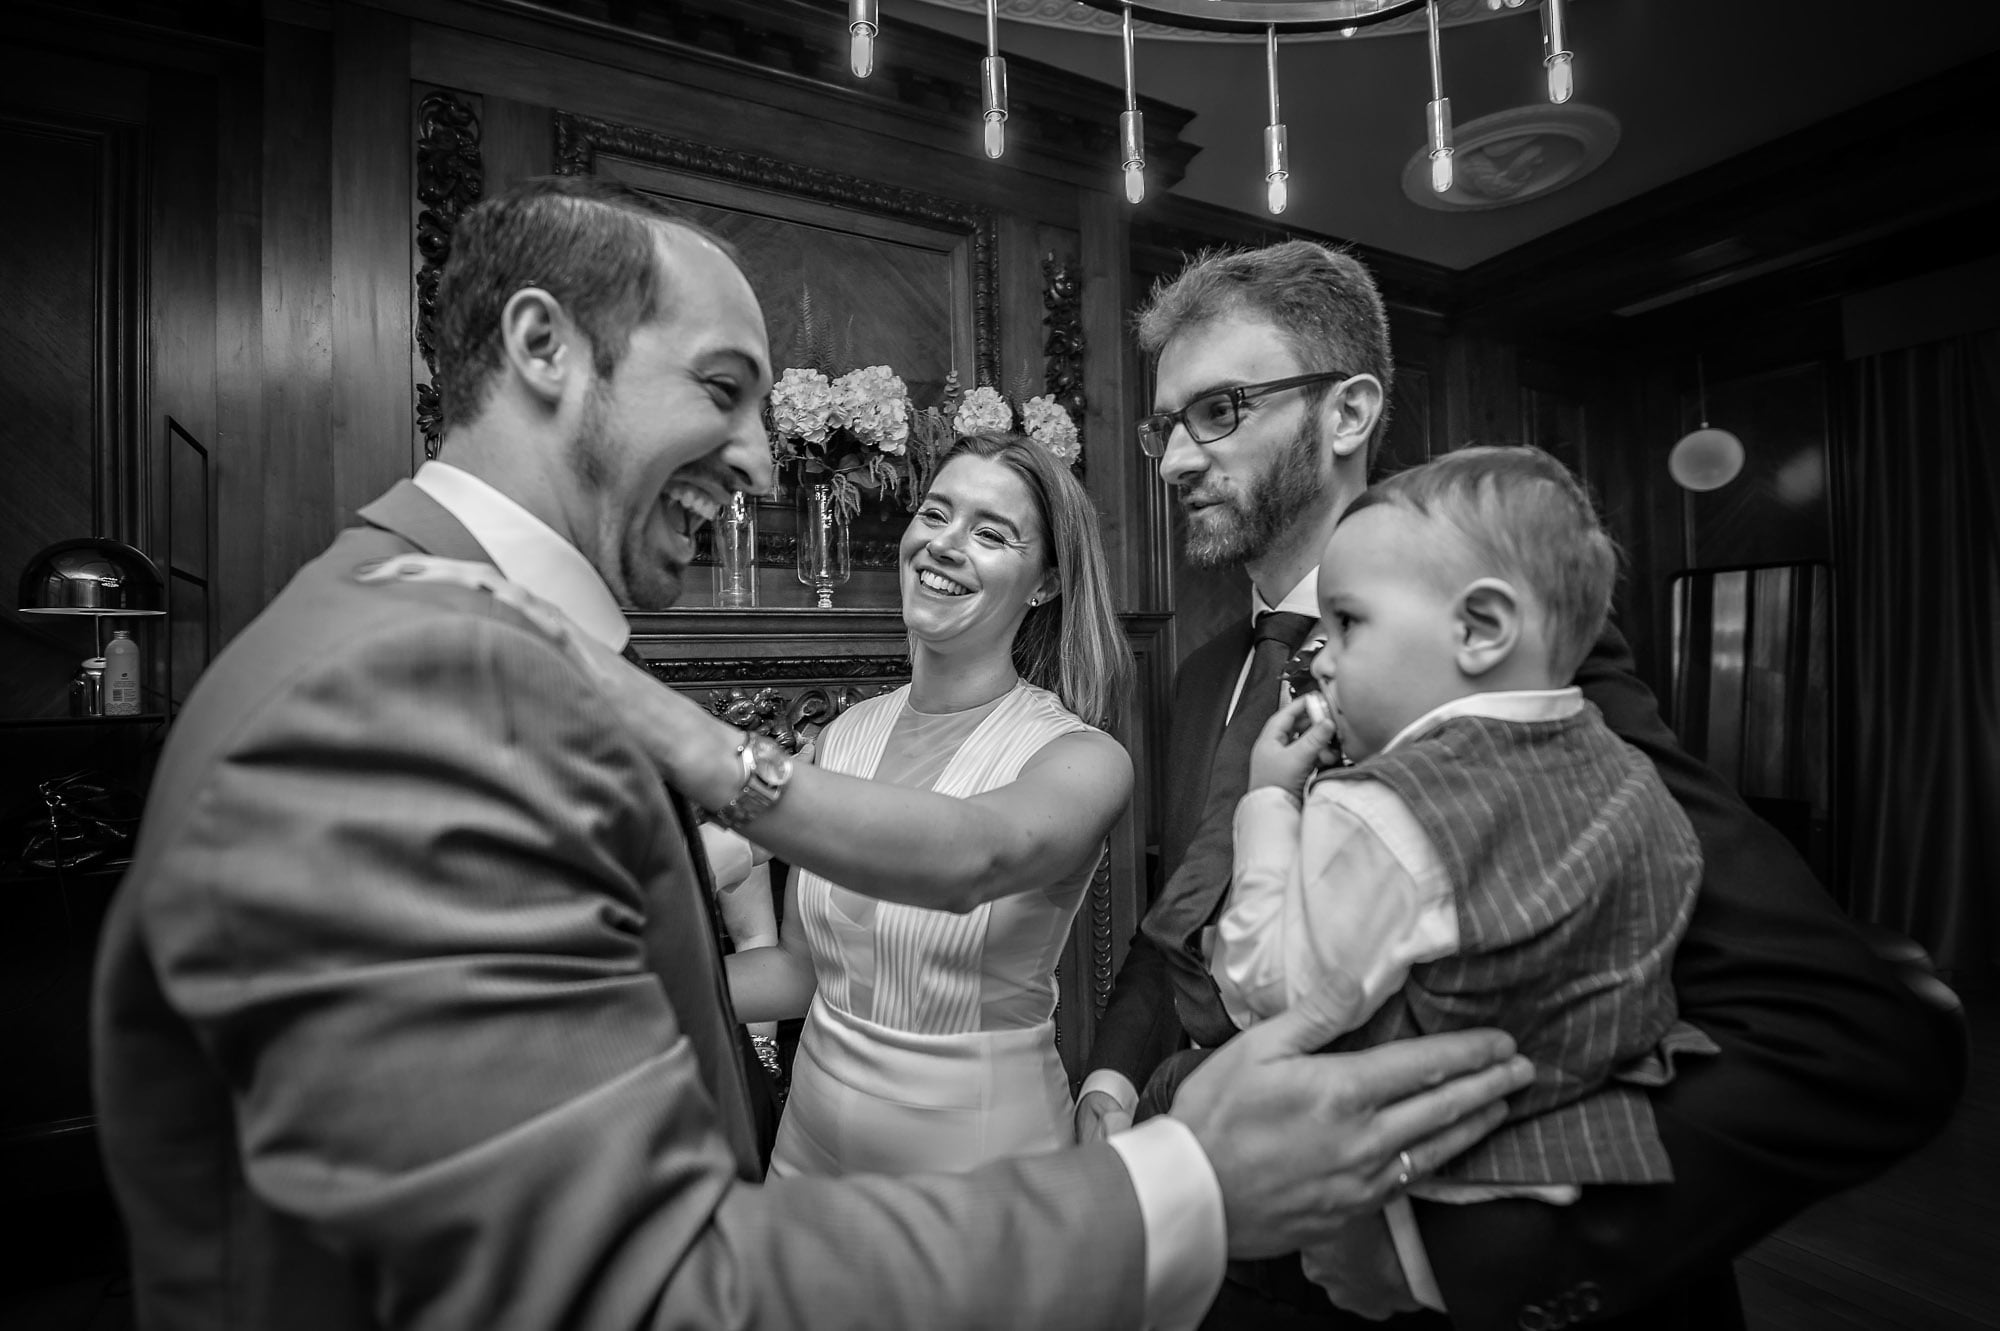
{"points": [[1180, 1204], [1410, 1252], [1114, 1084]]}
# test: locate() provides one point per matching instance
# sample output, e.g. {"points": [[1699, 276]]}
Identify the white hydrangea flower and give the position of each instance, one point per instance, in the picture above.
{"points": [[874, 404], [801, 406], [983, 411], [1048, 423]]}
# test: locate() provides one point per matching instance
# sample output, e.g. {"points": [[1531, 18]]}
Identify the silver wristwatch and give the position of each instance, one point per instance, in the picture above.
{"points": [[767, 770]]}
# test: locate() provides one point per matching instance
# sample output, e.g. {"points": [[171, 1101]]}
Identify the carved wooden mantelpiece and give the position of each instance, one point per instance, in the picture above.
{"points": [[785, 673]]}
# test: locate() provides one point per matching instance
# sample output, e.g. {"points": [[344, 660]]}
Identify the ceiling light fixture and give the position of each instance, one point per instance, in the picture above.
{"points": [[1132, 123], [1203, 20], [1705, 458], [1277, 155], [1438, 114], [993, 84], [1556, 53], [863, 21]]}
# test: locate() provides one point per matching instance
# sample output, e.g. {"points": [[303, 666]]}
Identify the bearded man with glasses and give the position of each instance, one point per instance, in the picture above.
{"points": [[1272, 388]]}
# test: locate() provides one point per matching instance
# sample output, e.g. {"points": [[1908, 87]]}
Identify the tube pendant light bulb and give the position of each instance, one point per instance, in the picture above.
{"points": [[1562, 79], [1441, 173], [1276, 170], [863, 21], [1439, 112], [1132, 142], [993, 84], [1132, 125], [1555, 51], [1277, 154]]}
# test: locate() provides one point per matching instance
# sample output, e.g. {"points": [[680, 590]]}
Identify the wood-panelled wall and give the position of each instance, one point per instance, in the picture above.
{"points": [[280, 177], [276, 287]]}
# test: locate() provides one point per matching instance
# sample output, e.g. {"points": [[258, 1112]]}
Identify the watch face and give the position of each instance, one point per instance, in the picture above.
{"points": [[770, 760]]}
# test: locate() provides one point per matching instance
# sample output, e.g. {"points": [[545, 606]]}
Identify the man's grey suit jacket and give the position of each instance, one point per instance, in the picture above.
{"points": [[399, 1011]]}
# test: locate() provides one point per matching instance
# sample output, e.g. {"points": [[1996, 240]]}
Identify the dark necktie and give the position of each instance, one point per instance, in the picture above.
{"points": [[722, 1047], [1195, 893]]}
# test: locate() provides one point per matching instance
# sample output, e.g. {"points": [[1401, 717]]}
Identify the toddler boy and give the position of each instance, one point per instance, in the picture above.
{"points": [[1496, 856]]}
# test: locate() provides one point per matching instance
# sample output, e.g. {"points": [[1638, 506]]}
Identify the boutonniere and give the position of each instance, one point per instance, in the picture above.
{"points": [[1296, 676]]}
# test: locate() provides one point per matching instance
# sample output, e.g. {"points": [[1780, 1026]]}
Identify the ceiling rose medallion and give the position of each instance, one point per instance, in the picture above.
{"points": [[1515, 155]]}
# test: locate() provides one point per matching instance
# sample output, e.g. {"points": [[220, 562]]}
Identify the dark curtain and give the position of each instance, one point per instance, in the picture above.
{"points": [[1916, 512]]}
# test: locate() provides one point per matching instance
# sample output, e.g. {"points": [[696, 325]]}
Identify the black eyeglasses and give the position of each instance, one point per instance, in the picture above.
{"points": [[1215, 415]]}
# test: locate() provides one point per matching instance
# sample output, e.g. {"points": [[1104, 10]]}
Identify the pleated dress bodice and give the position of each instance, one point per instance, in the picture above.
{"points": [[929, 1044], [932, 972]]}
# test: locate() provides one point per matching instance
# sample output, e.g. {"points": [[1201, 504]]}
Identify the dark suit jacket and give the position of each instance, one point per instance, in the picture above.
{"points": [[406, 1017], [1831, 1069]]}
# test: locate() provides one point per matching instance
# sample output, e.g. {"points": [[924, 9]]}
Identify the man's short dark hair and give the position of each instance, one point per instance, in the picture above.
{"points": [[589, 242], [1323, 301]]}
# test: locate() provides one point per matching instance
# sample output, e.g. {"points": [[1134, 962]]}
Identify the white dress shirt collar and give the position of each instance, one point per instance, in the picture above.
{"points": [[527, 551], [1512, 705], [1302, 599]]}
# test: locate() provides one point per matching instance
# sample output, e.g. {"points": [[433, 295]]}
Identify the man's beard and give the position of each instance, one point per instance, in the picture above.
{"points": [[1245, 526], [639, 578]]}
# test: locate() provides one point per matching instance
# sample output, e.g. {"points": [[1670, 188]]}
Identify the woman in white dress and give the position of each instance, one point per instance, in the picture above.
{"points": [[929, 987]]}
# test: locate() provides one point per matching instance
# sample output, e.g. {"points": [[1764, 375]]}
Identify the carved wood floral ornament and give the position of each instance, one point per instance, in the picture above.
{"points": [[450, 179]]}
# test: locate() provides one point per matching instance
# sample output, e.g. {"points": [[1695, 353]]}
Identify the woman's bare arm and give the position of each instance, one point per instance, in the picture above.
{"points": [[907, 846], [774, 982]]}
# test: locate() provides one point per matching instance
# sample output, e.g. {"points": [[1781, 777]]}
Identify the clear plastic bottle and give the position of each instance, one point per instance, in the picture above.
{"points": [[121, 675]]}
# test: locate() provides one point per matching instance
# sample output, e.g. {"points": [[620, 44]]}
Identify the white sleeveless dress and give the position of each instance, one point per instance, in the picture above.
{"points": [[930, 1044]]}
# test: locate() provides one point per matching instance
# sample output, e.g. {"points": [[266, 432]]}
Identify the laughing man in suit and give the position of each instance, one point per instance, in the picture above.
{"points": [[1273, 378], [410, 1013]]}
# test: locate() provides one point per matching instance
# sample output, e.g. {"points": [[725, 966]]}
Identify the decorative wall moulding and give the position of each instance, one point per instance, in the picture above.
{"points": [[1062, 346], [450, 180], [580, 138], [781, 669], [1515, 155]]}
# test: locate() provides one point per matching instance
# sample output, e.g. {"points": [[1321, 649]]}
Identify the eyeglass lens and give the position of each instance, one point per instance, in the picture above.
{"points": [[1210, 417]]}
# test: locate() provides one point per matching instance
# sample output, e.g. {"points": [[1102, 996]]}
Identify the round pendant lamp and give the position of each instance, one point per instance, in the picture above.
{"points": [[1706, 458]]}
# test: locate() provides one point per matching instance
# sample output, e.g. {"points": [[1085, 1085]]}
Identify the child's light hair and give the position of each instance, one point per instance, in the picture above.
{"points": [[1522, 517]]}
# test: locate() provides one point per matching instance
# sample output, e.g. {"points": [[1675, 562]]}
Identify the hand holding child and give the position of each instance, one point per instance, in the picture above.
{"points": [[1297, 739]]}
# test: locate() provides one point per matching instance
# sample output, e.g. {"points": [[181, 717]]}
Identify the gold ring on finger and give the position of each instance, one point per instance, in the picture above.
{"points": [[1403, 1178]]}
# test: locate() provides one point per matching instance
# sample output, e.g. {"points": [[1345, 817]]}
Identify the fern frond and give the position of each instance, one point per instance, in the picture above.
{"points": [[1023, 385]]}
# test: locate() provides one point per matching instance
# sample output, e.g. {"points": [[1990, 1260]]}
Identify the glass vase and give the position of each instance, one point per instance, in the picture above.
{"points": [[735, 539], [823, 554]]}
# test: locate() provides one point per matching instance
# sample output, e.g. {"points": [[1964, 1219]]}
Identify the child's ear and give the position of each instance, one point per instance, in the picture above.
{"points": [[1489, 625]]}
